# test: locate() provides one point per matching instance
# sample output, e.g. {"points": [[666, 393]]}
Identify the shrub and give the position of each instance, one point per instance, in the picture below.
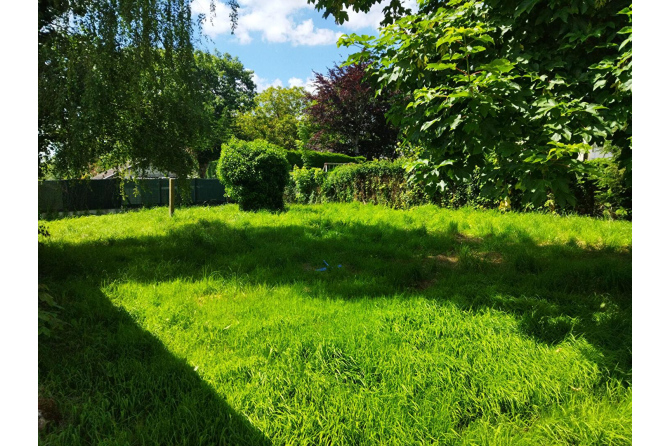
{"points": [[305, 185], [611, 197], [459, 194], [254, 173], [312, 158], [601, 191], [375, 182]]}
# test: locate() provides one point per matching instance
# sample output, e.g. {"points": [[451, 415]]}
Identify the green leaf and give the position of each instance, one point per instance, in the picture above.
{"points": [[498, 66], [441, 66], [461, 94], [525, 6], [599, 84], [445, 163], [428, 124], [567, 134], [457, 120], [484, 38]]}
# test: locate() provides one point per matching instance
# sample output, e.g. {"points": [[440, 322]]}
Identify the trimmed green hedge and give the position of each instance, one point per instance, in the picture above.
{"points": [[312, 158], [294, 158], [254, 173]]}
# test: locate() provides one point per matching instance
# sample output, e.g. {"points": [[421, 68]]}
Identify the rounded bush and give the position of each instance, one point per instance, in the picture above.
{"points": [[254, 173]]}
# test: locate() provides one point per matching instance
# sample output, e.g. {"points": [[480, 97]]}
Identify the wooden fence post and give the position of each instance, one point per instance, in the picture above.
{"points": [[171, 206]]}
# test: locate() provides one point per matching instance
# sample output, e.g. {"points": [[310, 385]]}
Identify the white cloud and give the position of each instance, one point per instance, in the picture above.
{"points": [[360, 20], [212, 25], [274, 20], [305, 34], [264, 84], [306, 84]]}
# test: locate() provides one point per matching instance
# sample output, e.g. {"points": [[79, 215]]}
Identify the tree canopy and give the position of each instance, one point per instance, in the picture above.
{"points": [[337, 8], [117, 83], [228, 89], [513, 88], [274, 117], [347, 117]]}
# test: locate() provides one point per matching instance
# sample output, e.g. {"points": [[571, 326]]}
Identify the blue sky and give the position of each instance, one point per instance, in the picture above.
{"points": [[282, 41]]}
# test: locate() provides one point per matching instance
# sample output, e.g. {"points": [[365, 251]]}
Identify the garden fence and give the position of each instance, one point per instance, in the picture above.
{"points": [[95, 195]]}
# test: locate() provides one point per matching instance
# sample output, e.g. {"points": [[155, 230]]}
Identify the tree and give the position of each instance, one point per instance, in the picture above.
{"points": [[337, 8], [117, 83], [274, 118], [228, 89], [348, 117], [513, 88]]}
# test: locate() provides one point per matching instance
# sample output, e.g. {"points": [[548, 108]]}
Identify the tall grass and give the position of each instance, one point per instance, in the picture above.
{"points": [[440, 327]]}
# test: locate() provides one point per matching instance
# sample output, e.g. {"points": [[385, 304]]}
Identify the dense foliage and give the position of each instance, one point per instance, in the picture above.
{"points": [[255, 174], [117, 83], [304, 186], [347, 117], [274, 117], [605, 190], [601, 191], [228, 88], [514, 89], [375, 182]]}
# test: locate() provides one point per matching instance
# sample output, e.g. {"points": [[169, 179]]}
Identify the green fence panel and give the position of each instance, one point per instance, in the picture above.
{"points": [[89, 195], [209, 191], [146, 192], [49, 196]]}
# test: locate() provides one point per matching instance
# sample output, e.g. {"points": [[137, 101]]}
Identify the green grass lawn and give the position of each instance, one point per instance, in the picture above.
{"points": [[440, 327]]}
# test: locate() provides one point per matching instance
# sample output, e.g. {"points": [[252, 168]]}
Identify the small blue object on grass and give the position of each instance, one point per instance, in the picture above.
{"points": [[327, 266]]}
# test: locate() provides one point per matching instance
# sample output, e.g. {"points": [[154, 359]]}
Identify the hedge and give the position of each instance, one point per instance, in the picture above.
{"points": [[305, 185], [601, 192], [312, 158], [375, 182]]}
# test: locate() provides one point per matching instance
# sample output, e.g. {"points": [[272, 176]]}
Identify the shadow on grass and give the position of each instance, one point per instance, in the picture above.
{"points": [[555, 291], [110, 382]]}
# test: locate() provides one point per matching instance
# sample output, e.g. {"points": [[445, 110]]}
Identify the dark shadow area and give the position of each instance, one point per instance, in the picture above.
{"points": [[111, 382], [555, 291]]}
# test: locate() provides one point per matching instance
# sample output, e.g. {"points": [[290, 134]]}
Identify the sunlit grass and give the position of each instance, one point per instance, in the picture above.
{"points": [[440, 327]]}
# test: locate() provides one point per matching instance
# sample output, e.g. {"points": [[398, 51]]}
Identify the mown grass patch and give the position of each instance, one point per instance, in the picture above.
{"points": [[440, 327]]}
